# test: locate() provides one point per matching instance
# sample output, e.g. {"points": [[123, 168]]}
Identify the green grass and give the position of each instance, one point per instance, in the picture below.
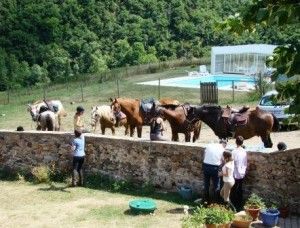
{"points": [[51, 205], [95, 93]]}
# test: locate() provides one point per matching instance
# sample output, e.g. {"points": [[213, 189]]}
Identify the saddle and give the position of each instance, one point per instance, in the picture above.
{"points": [[51, 107], [235, 118], [148, 109]]}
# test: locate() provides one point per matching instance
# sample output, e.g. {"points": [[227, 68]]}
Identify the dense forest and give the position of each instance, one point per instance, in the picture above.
{"points": [[56, 40]]}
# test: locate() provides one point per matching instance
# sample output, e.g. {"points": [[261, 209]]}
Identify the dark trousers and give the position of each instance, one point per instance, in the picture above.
{"points": [[77, 169], [236, 194], [211, 173]]}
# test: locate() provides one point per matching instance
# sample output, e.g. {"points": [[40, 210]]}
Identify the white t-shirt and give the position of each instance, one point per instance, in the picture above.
{"points": [[230, 168], [240, 162], [213, 154]]}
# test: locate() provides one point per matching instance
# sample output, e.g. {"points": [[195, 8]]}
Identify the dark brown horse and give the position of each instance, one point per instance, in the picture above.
{"points": [[182, 121], [257, 123]]}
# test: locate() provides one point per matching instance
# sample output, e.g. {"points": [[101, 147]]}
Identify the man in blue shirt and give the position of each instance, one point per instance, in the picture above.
{"points": [[78, 144]]}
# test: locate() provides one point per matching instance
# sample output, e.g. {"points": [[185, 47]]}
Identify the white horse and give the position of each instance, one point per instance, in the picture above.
{"points": [[52, 105], [47, 121], [106, 118]]}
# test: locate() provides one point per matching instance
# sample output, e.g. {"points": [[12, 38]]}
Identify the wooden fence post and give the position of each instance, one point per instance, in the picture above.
{"points": [[81, 88], [159, 89], [118, 88], [8, 95], [232, 82]]}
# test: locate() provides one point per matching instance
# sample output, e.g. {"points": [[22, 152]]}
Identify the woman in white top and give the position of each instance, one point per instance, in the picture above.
{"points": [[227, 173]]}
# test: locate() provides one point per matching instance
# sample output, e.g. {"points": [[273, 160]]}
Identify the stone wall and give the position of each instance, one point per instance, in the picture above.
{"points": [[164, 164]]}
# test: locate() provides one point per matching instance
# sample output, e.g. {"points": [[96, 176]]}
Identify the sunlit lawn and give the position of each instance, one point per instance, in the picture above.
{"points": [[27, 205]]}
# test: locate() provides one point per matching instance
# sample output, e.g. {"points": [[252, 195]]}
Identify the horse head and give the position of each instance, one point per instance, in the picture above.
{"points": [[115, 105], [94, 116], [34, 111]]}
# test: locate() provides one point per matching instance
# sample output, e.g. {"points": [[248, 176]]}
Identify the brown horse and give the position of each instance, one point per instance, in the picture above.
{"points": [[181, 121], [257, 123], [135, 116]]}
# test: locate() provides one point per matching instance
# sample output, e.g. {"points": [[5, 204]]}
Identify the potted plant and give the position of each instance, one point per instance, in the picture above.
{"points": [[269, 216], [242, 220], [217, 216], [253, 205], [214, 216], [284, 207]]}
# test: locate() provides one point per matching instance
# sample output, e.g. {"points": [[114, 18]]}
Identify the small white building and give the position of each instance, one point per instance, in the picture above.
{"points": [[240, 59]]}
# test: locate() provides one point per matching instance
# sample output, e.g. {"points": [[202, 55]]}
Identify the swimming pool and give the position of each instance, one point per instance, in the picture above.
{"points": [[224, 81]]}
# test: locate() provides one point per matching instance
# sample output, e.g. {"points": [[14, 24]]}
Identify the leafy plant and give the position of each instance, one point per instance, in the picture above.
{"points": [[215, 214], [254, 201], [41, 174]]}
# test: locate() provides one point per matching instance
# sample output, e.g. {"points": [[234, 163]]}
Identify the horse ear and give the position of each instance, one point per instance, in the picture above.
{"points": [[96, 107], [111, 99], [116, 100]]}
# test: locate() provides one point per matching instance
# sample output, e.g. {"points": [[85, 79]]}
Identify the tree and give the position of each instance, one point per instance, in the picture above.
{"points": [[286, 58]]}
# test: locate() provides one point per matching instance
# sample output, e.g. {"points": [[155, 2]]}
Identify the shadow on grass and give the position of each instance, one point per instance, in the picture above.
{"points": [[105, 183], [52, 187]]}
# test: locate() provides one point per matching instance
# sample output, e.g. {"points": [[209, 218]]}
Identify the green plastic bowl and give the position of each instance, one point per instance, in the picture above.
{"points": [[142, 205]]}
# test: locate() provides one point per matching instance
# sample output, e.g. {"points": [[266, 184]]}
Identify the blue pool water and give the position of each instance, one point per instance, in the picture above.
{"points": [[224, 81]]}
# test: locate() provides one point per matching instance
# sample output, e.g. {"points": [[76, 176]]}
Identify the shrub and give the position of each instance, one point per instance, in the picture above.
{"points": [[215, 214], [41, 174]]}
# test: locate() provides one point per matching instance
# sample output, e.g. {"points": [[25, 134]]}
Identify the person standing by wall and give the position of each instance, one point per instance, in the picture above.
{"points": [[239, 156], [227, 174], [78, 145], [157, 128], [78, 120], [212, 161]]}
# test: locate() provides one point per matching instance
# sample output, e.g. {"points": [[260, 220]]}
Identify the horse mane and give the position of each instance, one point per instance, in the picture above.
{"points": [[213, 108]]}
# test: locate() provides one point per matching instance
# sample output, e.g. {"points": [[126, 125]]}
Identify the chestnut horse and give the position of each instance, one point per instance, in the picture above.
{"points": [[181, 121], [132, 109], [258, 123]]}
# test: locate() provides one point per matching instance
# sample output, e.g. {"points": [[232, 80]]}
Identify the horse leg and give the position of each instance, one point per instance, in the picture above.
{"points": [[175, 136], [267, 140], [187, 136], [139, 130], [126, 128], [132, 130], [59, 122], [103, 129], [113, 131]]}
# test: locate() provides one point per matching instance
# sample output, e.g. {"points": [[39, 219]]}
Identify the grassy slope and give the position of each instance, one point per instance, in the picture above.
{"points": [[99, 93]]}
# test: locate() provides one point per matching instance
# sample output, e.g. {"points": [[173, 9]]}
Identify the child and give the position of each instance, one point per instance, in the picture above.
{"points": [[78, 122], [78, 144], [227, 173]]}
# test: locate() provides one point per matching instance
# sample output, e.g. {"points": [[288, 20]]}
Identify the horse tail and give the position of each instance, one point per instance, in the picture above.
{"points": [[276, 124], [197, 130], [49, 123]]}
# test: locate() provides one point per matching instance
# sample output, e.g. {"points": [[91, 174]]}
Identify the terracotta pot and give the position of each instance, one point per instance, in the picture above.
{"points": [[284, 212], [253, 212], [211, 225], [224, 225]]}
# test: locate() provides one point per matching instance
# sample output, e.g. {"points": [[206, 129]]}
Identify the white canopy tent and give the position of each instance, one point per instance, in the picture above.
{"points": [[240, 59]]}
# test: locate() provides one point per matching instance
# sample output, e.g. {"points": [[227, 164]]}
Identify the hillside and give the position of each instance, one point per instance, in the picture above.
{"points": [[58, 40]]}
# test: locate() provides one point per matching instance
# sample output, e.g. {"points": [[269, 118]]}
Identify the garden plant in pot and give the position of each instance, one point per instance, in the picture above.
{"points": [[284, 206], [270, 215], [253, 205], [218, 216], [215, 216]]}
